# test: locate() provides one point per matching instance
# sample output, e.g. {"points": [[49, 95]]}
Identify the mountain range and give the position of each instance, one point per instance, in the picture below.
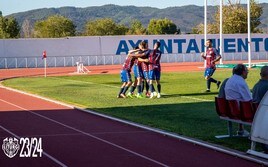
{"points": [[185, 17]]}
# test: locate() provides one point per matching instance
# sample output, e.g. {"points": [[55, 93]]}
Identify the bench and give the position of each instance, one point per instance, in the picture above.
{"points": [[234, 112]]}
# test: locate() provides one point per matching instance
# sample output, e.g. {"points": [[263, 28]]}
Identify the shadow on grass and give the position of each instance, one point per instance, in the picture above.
{"points": [[197, 120], [190, 94]]}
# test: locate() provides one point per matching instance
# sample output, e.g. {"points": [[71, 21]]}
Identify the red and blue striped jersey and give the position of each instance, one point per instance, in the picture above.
{"points": [[129, 62], [154, 60], [144, 65], [211, 55]]}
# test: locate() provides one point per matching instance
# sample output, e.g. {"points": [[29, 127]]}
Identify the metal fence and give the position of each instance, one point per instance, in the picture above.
{"points": [[58, 61], [65, 61]]}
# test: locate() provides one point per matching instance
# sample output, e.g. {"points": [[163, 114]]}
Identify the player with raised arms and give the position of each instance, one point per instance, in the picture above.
{"points": [[139, 68]]}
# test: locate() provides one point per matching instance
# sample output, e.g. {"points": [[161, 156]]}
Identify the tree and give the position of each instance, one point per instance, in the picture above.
{"points": [[162, 26], [27, 29], [121, 30], [9, 28], [136, 28], [211, 29], [105, 26], [54, 27], [234, 19], [255, 14]]}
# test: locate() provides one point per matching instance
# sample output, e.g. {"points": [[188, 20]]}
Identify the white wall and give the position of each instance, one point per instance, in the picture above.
{"points": [[112, 49]]}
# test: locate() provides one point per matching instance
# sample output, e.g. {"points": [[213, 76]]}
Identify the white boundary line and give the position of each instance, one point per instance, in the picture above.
{"points": [[37, 96], [85, 133], [233, 153], [159, 131], [46, 154]]}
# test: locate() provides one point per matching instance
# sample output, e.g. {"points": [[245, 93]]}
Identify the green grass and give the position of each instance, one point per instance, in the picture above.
{"points": [[183, 109]]}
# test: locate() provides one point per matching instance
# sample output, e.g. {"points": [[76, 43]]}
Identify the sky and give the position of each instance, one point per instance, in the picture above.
{"points": [[14, 6]]}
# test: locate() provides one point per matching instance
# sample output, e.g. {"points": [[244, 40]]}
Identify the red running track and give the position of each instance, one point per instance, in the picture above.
{"points": [[74, 138]]}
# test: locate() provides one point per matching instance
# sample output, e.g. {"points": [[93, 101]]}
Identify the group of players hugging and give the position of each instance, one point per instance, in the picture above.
{"points": [[146, 67]]}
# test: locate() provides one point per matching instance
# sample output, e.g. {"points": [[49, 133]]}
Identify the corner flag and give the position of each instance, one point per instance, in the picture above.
{"points": [[44, 57], [44, 54]]}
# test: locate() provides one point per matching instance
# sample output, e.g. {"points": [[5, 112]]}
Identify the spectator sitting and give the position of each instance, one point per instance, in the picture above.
{"points": [[261, 87], [236, 88], [259, 90]]}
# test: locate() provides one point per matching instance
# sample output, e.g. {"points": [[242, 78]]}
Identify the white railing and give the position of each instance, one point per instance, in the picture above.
{"points": [[90, 60]]}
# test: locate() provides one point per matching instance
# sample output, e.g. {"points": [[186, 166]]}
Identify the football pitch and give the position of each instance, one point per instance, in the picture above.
{"points": [[184, 108]]}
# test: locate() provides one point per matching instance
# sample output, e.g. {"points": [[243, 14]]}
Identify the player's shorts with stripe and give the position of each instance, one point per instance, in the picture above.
{"points": [[137, 72], [125, 76], [154, 75], [209, 72]]}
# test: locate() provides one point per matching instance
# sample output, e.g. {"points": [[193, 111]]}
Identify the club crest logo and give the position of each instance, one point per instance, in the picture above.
{"points": [[10, 146]]}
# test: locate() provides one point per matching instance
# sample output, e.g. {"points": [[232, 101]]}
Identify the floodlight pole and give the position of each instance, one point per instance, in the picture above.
{"points": [[205, 28], [249, 35], [221, 43], [205, 20]]}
